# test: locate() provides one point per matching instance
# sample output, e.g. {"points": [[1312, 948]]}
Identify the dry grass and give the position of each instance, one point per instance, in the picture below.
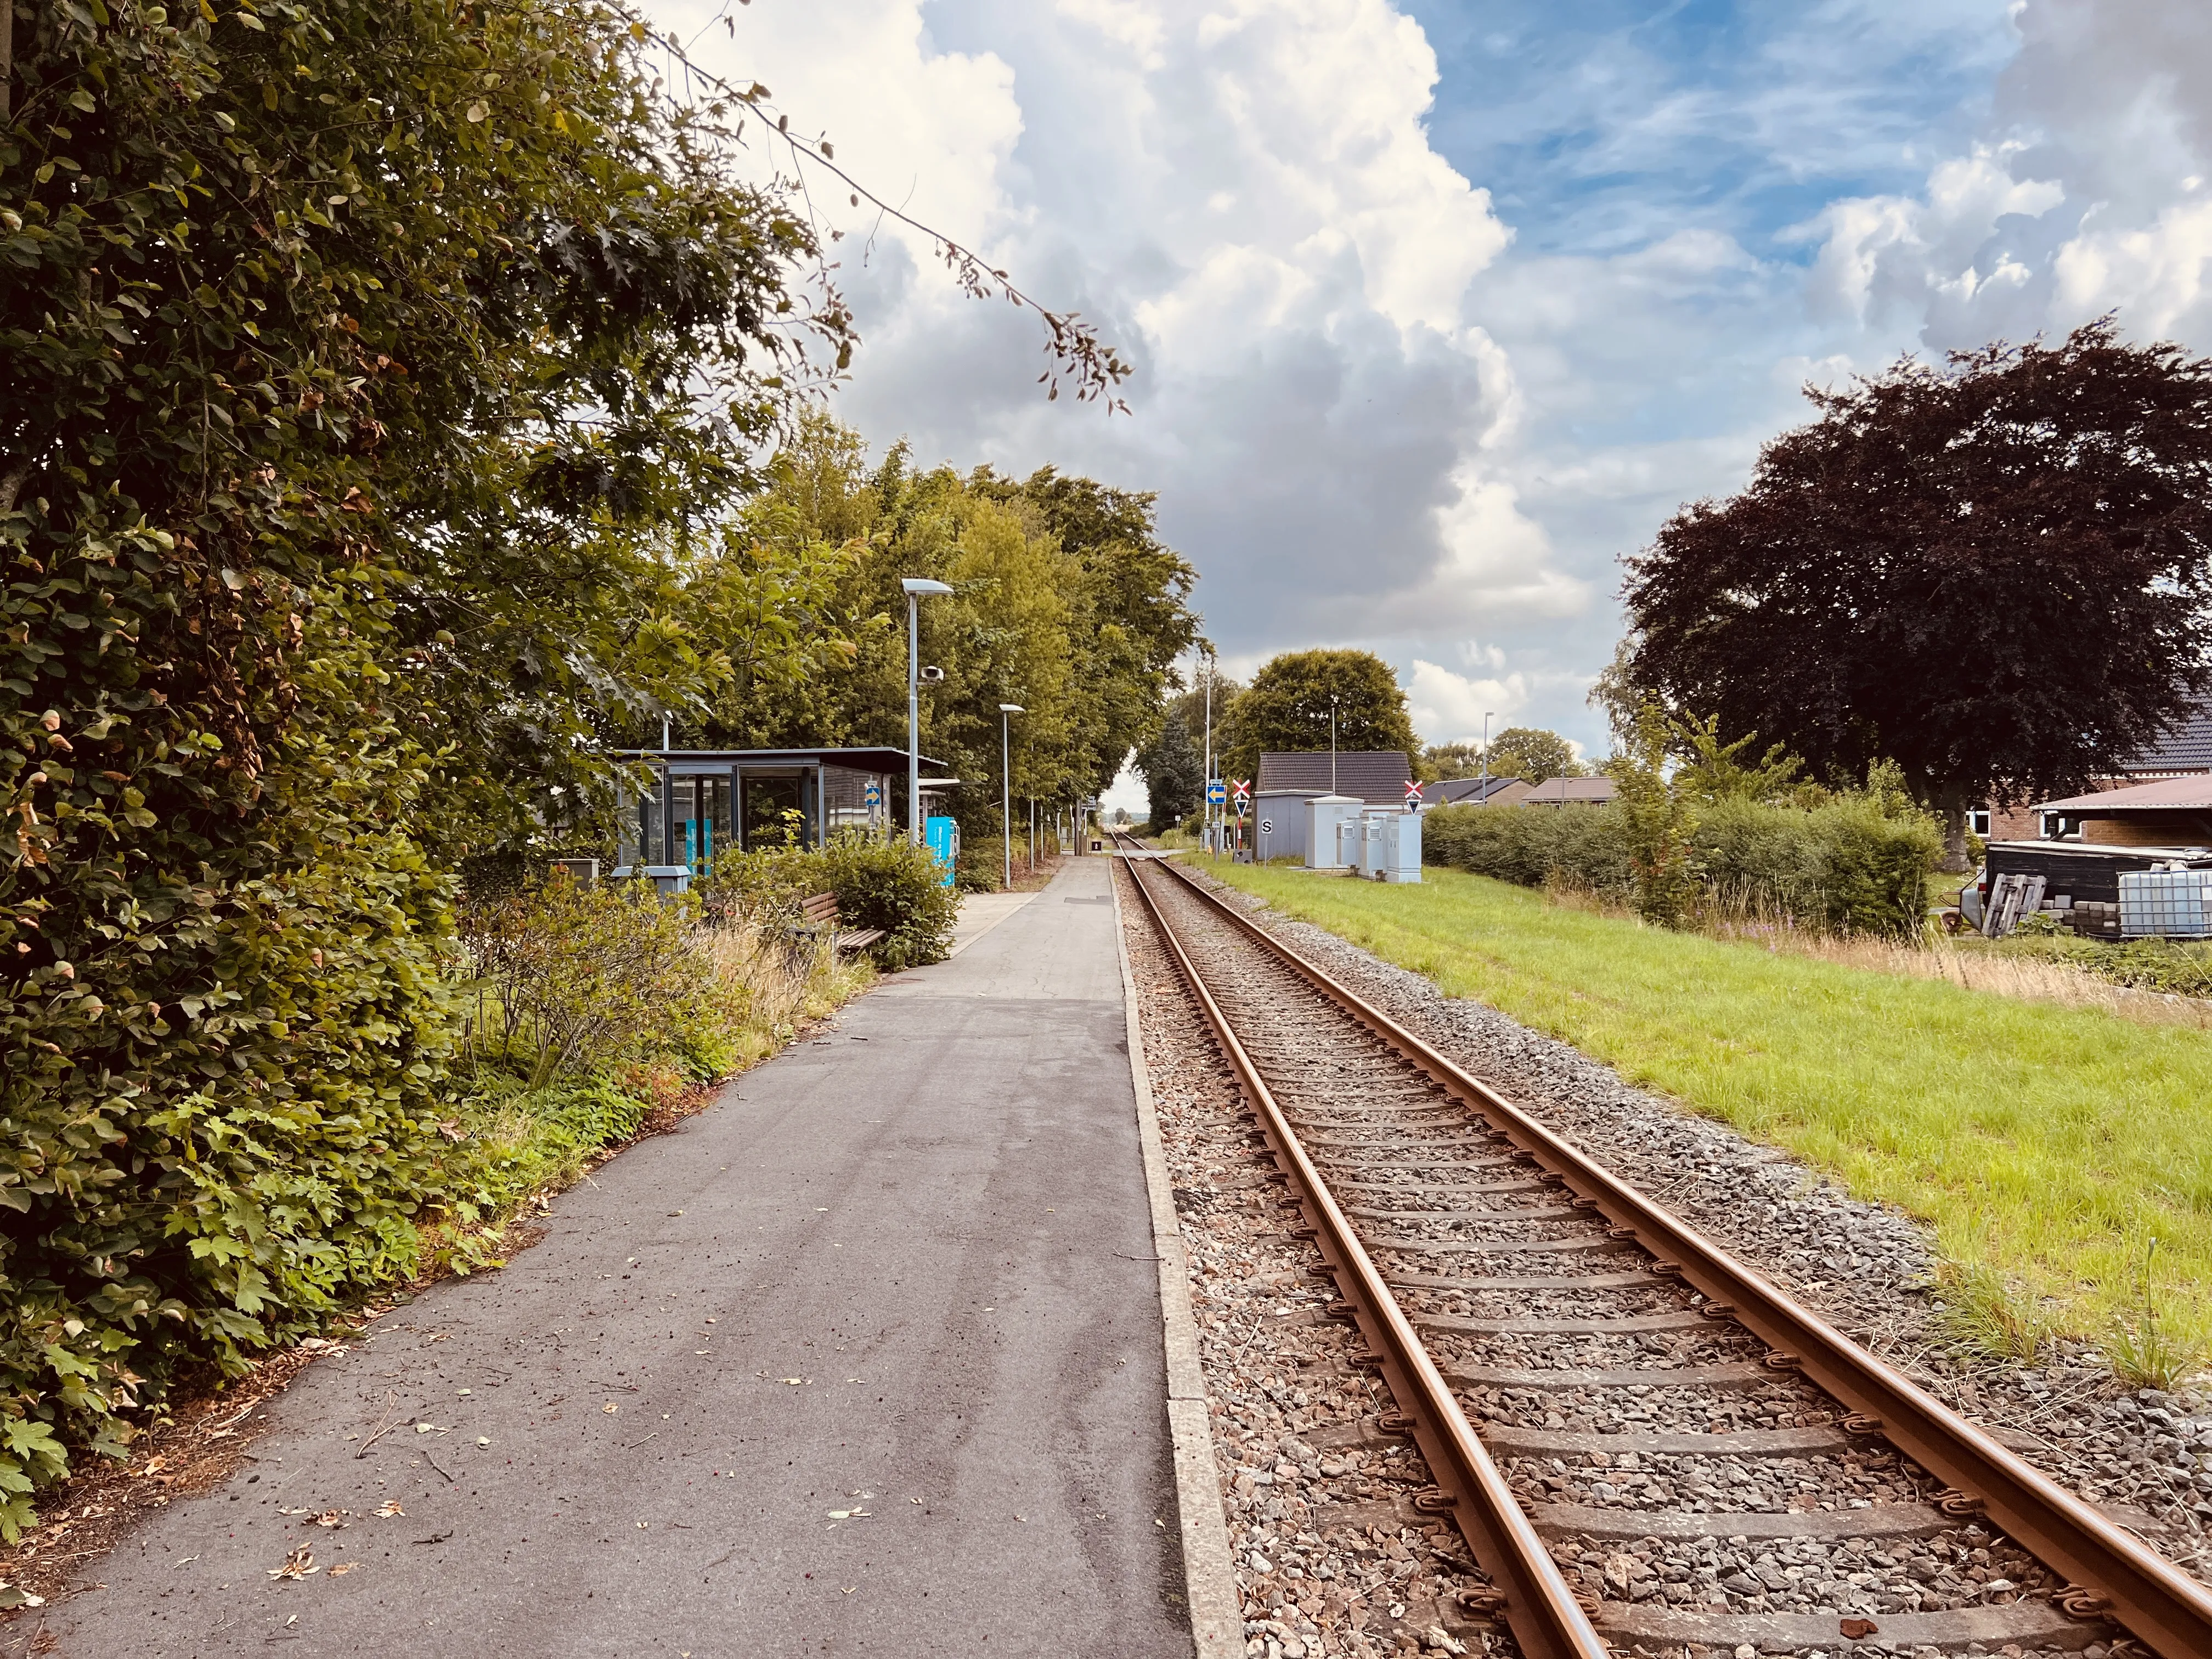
{"points": [[1972, 966]]}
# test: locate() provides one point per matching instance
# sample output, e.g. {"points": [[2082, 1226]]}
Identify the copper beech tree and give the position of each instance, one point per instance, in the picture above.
{"points": [[1994, 573]]}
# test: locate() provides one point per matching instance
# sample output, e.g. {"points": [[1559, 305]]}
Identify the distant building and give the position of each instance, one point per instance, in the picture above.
{"points": [[1377, 776], [1475, 791], [2184, 750], [2170, 811], [1571, 792]]}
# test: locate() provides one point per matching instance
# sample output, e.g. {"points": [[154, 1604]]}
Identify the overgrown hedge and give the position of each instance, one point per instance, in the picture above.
{"points": [[888, 884], [1847, 866]]}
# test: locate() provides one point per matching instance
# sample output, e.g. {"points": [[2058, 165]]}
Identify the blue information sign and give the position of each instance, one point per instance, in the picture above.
{"points": [[1217, 792]]}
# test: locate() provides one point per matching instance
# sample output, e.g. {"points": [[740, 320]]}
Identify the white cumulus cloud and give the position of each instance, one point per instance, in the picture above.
{"points": [[2085, 194], [1242, 195]]}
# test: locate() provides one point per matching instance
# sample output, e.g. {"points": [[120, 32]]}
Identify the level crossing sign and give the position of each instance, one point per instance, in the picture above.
{"points": [[1413, 792], [1243, 787]]}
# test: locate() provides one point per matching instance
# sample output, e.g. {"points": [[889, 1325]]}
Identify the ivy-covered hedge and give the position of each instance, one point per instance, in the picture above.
{"points": [[1849, 866], [339, 338]]}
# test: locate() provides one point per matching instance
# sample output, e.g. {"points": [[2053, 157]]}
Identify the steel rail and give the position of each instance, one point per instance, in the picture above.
{"points": [[2110, 1572], [1545, 1619]]}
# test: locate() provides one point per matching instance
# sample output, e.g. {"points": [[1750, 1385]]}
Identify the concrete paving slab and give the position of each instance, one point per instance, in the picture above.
{"points": [[865, 1359], [981, 912]]}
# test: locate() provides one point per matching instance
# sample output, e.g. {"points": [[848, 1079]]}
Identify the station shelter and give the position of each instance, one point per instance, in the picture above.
{"points": [[703, 801]]}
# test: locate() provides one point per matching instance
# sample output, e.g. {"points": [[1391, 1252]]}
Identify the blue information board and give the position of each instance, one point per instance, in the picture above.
{"points": [[942, 836]]}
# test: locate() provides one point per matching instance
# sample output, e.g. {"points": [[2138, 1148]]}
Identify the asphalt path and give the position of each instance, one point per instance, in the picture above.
{"points": [[863, 1359]]}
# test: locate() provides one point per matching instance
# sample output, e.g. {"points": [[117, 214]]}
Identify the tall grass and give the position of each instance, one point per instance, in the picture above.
{"points": [[2045, 1141], [589, 1010]]}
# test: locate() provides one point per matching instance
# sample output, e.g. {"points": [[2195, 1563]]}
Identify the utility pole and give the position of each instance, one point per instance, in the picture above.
{"points": [[1483, 799], [1206, 823], [1007, 711], [1332, 742]]}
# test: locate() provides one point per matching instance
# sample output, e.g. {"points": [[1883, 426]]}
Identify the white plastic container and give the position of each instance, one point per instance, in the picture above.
{"points": [[2166, 904]]}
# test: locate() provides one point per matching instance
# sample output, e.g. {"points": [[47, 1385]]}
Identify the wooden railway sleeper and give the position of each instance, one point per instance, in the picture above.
{"points": [[2159, 1604], [1547, 1622]]}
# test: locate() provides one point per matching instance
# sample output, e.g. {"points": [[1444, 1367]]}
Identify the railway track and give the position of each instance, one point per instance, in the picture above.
{"points": [[1643, 1443]]}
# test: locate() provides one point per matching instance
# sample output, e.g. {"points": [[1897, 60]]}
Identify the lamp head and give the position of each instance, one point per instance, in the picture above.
{"points": [[933, 674], [923, 585], [1011, 709]]}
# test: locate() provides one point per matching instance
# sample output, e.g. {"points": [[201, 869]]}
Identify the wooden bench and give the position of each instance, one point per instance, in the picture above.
{"points": [[821, 913]]}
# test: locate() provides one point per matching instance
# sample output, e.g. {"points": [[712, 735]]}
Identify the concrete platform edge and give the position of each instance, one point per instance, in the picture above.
{"points": [[1217, 1617]]}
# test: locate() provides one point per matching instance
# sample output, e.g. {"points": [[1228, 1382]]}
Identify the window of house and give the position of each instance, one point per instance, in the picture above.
{"points": [[1979, 824]]}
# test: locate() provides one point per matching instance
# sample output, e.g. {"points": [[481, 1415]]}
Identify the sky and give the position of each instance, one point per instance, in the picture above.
{"points": [[1439, 308]]}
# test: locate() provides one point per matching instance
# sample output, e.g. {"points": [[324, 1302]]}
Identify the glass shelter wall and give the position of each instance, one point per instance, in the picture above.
{"points": [[693, 810]]}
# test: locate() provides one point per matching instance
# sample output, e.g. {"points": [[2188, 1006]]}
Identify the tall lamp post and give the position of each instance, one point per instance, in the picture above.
{"points": [[1332, 701], [1007, 711], [1483, 799], [915, 587]]}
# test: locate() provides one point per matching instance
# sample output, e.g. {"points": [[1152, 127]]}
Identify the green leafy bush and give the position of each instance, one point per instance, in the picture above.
{"points": [[887, 884], [568, 974], [1853, 865], [2143, 964], [329, 330], [894, 887]]}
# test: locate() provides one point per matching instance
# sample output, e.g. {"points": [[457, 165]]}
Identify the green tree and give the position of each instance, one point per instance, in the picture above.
{"points": [[1173, 773], [1287, 710], [1451, 760], [1712, 771], [1660, 821], [1995, 572], [1531, 752], [366, 364]]}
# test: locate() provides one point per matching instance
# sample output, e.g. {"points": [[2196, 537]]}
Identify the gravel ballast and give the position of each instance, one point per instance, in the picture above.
{"points": [[2142, 1455]]}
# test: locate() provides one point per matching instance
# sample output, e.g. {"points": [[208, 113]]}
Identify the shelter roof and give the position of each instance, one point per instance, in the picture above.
{"points": [[1373, 776], [856, 760], [2165, 795]]}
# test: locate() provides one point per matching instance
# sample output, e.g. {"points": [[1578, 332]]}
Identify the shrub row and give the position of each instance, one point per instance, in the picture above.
{"points": [[1851, 865], [236, 1205], [891, 885], [2141, 964]]}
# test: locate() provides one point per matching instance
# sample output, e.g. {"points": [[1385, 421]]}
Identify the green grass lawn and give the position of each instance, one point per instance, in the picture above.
{"points": [[2048, 1146]]}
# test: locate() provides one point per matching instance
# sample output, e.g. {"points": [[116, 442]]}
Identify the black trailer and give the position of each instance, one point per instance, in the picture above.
{"points": [[2081, 879]]}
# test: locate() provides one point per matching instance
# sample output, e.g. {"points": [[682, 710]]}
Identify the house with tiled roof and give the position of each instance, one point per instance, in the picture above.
{"points": [[1377, 776], [2183, 750]]}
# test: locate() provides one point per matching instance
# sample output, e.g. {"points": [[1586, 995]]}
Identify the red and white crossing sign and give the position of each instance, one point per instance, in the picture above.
{"points": [[1243, 787], [1412, 793]]}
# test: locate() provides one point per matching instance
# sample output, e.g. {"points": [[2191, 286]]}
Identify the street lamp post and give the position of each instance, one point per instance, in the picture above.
{"points": [[1205, 803], [1483, 799], [915, 587], [1332, 699], [1007, 711]]}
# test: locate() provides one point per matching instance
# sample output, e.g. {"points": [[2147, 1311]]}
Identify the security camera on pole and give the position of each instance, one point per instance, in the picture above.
{"points": [[915, 587]]}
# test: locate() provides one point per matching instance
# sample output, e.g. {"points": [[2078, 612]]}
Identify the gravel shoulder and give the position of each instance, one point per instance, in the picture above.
{"points": [[2142, 1455], [1331, 1556]]}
